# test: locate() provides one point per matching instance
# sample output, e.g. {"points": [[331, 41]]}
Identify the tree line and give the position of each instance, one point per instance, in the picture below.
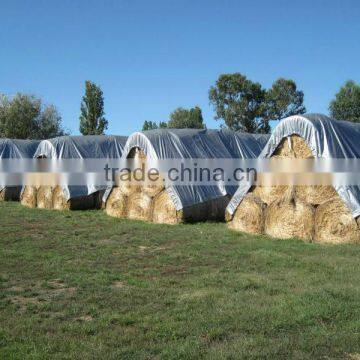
{"points": [[237, 101]]}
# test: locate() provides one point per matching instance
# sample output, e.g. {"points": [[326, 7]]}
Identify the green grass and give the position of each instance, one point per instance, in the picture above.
{"points": [[84, 285]]}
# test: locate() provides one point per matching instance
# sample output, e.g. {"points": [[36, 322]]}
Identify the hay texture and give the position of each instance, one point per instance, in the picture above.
{"points": [[126, 185], [293, 147], [139, 207], [315, 194], [268, 194], [116, 204], [334, 223], [135, 199], [77, 203], [45, 197], [307, 212], [249, 216], [29, 196], [164, 211], [59, 199], [288, 218]]}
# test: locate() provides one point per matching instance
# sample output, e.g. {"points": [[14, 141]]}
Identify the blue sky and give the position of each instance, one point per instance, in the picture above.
{"points": [[152, 56]]}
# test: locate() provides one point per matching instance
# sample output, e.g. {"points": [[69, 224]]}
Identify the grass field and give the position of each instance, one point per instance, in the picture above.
{"points": [[84, 285]]}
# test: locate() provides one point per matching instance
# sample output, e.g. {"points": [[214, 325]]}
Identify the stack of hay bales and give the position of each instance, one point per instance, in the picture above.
{"points": [[73, 197], [173, 204], [15, 149], [313, 212]]}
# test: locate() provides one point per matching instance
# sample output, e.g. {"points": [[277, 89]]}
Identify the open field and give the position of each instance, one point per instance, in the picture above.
{"points": [[81, 284]]}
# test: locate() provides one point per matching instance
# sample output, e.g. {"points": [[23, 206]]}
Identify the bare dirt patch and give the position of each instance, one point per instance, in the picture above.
{"points": [[119, 285], [85, 318], [54, 288]]}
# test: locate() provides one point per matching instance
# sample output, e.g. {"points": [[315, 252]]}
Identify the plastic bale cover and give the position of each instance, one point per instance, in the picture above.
{"points": [[82, 147], [327, 138], [196, 144], [17, 149]]}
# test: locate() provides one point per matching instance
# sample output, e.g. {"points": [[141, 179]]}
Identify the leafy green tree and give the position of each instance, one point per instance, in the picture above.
{"points": [[246, 106], [346, 105], [186, 118], [92, 120], [25, 117], [49, 124], [240, 103], [149, 125], [283, 99]]}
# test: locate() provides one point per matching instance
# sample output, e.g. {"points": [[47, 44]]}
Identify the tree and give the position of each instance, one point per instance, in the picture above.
{"points": [[346, 105], [25, 117], [246, 106], [92, 120], [151, 125], [283, 100], [239, 102], [49, 123], [186, 118]]}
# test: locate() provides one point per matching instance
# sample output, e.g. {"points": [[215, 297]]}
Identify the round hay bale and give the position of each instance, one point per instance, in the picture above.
{"points": [[59, 200], [288, 218], [269, 194], [44, 197], [152, 190], [153, 187], [164, 211], [249, 216], [334, 223], [116, 204], [28, 197], [127, 185], [139, 207], [292, 147], [139, 157], [316, 194], [299, 149]]}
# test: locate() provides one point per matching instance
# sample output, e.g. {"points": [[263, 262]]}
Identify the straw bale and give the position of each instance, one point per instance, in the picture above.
{"points": [[249, 216], [334, 223]]}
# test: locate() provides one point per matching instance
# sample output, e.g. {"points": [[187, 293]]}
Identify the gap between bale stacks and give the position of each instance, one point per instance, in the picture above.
{"points": [[299, 211], [10, 193]]}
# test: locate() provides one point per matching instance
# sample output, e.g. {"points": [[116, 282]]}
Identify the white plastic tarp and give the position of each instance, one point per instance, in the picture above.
{"points": [[17, 149], [196, 144], [82, 147], [327, 138]]}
